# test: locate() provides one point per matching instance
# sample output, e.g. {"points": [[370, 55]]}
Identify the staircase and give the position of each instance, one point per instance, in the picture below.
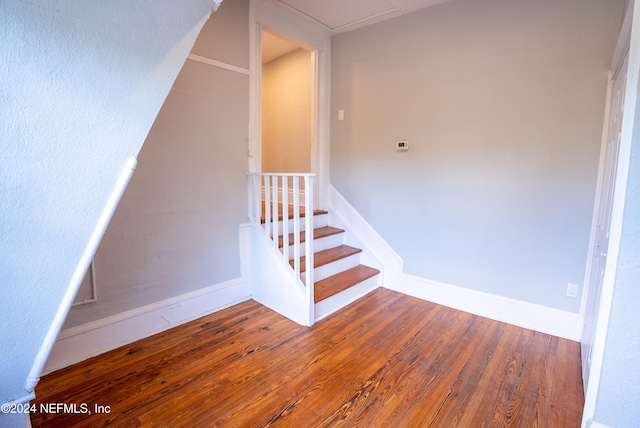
{"points": [[326, 261], [339, 277]]}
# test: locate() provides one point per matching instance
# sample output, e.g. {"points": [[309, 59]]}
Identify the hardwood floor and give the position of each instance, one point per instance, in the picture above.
{"points": [[386, 360]]}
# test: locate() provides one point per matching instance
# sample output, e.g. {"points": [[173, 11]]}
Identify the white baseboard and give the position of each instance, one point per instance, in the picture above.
{"points": [[523, 314], [85, 341], [528, 315]]}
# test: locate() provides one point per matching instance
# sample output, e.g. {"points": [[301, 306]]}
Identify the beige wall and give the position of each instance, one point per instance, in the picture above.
{"points": [[286, 113], [176, 228], [502, 102]]}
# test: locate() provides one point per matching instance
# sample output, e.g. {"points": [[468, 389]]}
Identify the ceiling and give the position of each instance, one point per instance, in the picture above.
{"points": [[274, 47], [338, 16]]}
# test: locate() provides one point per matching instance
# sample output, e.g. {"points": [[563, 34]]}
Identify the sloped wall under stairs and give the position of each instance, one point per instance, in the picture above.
{"points": [[81, 86]]}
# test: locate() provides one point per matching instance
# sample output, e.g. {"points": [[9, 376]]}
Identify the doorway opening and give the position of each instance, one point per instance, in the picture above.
{"points": [[287, 105], [301, 133]]}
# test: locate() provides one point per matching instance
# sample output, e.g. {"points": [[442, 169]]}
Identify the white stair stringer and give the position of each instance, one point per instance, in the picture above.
{"points": [[272, 282]]}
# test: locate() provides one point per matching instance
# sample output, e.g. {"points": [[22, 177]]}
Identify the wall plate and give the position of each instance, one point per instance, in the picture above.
{"points": [[402, 145]]}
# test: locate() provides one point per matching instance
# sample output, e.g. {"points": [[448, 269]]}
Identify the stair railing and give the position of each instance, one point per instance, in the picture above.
{"points": [[268, 199]]}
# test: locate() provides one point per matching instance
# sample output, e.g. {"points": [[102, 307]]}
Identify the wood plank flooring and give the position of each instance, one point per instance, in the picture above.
{"points": [[386, 360]]}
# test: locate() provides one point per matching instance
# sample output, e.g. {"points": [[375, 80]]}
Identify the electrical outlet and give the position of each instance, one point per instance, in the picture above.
{"points": [[572, 290]]}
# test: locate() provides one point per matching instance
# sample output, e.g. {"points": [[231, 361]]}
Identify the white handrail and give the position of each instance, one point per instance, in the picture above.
{"points": [[280, 174], [264, 211], [81, 269]]}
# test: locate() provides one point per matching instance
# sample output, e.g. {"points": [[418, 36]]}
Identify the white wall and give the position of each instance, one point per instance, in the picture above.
{"points": [[176, 228], [81, 84], [502, 102], [286, 113]]}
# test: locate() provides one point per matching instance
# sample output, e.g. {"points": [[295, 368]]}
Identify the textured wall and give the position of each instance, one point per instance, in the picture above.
{"points": [[81, 83], [176, 228], [502, 102]]}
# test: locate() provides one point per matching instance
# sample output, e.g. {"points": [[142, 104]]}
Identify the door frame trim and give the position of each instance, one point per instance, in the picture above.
{"points": [[629, 40], [622, 50], [315, 39]]}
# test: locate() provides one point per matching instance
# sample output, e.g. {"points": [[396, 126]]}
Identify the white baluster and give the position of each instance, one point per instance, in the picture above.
{"points": [[308, 227], [296, 226], [257, 198], [275, 204], [267, 205], [285, 222]]}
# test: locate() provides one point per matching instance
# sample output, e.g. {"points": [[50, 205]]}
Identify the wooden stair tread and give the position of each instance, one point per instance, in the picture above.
{"points": [[322, 258], [318, 233], [289, 212], [341, 281]]}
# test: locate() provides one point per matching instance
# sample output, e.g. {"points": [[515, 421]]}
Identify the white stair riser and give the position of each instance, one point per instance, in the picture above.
{"points": [[333, 268], [345, 297], [319, 244]]}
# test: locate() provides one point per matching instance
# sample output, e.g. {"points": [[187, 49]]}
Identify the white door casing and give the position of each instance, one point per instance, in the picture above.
{"points": [[604, 205], [315, 39], [628, 47]]}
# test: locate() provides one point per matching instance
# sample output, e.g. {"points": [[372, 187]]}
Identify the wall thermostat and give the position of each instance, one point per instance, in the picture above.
{"points": [[402, 145]]}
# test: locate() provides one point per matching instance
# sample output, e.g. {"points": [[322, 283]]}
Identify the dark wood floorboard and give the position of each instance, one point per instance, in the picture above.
{"points": [[386, 360]]}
